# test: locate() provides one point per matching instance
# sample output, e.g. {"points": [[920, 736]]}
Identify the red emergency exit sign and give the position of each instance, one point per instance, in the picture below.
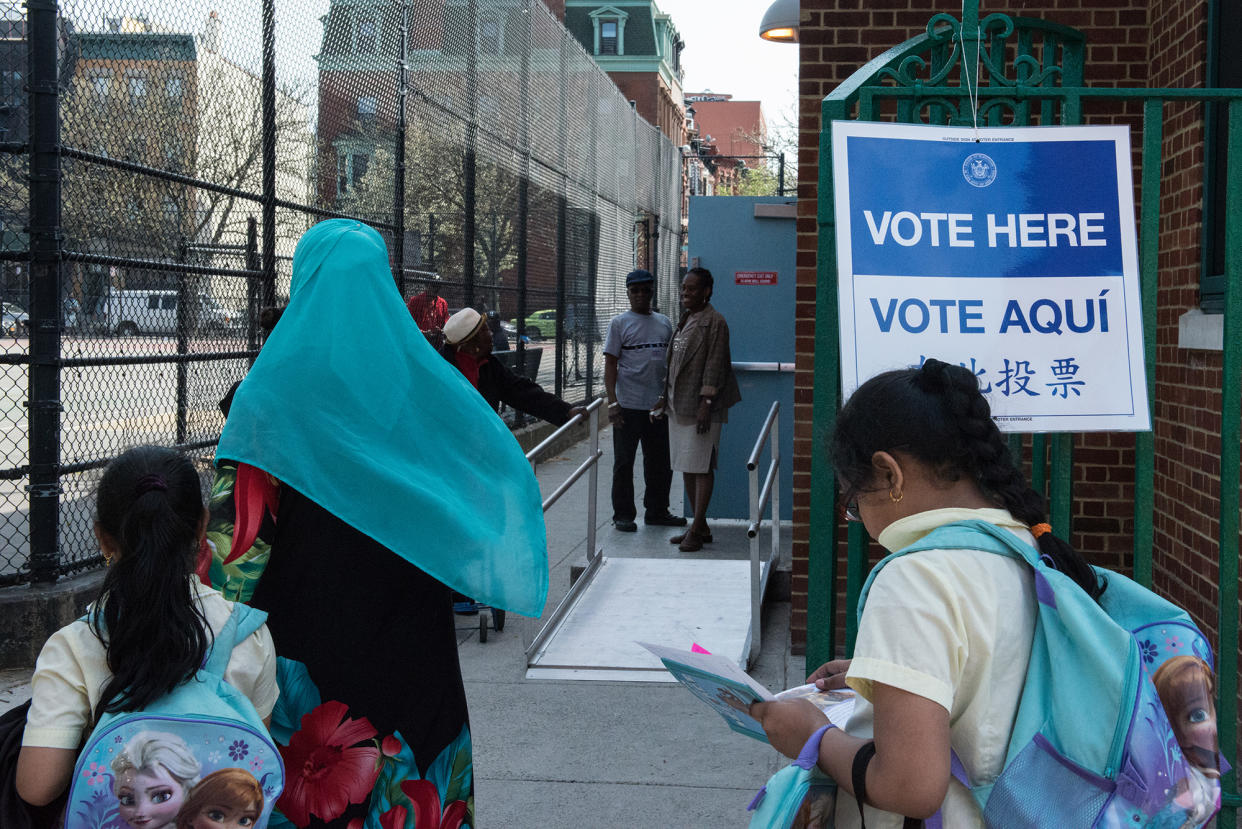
{"points": [[754, 277]]}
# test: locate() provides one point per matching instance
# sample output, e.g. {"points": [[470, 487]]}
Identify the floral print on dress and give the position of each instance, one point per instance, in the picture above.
{"points": [[330, 764]]}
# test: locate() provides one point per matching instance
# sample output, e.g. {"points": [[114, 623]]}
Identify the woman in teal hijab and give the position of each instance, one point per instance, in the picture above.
{"points": [[396, 483]]}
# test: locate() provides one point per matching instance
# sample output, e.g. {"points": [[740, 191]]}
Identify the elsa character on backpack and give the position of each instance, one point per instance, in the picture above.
{"points": [[152, 776], [945, 635], [146, 633]]}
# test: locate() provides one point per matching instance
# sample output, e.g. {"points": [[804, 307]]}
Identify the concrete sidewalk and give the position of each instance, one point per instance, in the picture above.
{"points": [[567, 754]]}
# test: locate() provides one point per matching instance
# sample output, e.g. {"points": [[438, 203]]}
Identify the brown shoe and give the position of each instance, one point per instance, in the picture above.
{"points": [[680, 537], [690, 543]]}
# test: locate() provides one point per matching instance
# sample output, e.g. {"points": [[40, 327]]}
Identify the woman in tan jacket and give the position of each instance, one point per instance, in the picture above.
{"points": [[697, 395]]}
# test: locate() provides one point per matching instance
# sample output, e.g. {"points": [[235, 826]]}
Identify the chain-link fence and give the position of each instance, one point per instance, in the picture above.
{"points": [[158, 162]]}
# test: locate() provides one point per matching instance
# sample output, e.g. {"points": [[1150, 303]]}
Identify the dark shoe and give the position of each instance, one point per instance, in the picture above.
{"points": [[625, 526], [690, 543], [665, 520], [680, 537]]}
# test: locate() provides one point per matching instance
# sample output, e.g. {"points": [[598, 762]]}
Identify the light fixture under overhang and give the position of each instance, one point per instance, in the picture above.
{"points": [[780, 22]]}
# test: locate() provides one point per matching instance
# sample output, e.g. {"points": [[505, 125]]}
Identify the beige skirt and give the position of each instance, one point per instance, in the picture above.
{"points": [[690, 451]]}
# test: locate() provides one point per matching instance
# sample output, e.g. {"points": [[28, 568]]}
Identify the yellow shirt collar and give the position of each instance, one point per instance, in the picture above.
{"points": [[905, 531]]}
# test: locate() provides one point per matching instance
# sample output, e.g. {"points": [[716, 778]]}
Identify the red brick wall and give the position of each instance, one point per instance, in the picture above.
{"points": [[1153, 43]]}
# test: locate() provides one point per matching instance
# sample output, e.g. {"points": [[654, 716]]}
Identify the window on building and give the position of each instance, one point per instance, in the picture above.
{"points": [[608, 37], [102, 85], [350, 169], [1224, 70], [11, 91], [368, 105], [174, 87], [137, 89], [491, 39], [368, 36]]}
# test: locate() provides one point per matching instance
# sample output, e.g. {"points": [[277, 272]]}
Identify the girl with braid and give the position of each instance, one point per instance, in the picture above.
{"points": [[945, 637]]}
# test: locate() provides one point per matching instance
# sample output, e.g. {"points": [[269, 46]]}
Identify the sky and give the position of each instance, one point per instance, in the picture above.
{"points": [[725, 54]]}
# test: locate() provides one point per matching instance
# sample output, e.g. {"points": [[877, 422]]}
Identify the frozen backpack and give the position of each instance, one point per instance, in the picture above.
{"points": [[799, 796], [1092, 744], [205, 738]]}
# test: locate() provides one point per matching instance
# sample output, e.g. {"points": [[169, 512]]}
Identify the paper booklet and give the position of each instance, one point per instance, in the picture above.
{"points": [[720, 683]]}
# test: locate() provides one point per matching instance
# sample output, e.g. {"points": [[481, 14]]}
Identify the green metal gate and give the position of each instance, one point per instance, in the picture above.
{"points": [[1034, 72]]}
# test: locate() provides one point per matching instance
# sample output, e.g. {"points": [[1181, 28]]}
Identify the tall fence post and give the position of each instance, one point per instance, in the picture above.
{"points": [[253, 263], [523, 194], [403, 91], [562, 223], [183, 344], [469, 230], [269, 153], [46, 252]]}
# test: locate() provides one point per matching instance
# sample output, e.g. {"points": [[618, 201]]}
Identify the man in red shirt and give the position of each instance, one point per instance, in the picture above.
{"points": [[430, 311]]}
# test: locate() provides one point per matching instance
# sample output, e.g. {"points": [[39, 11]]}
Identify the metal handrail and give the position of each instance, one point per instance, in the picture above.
{"points": [[591, 466], [777, 367], [770, 434]]}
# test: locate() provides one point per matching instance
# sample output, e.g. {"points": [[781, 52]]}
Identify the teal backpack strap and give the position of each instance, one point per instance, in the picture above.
{"points": [[242, 622], [973, 534]]}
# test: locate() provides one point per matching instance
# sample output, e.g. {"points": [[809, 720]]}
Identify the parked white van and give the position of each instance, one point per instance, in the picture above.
{"points": [[130, 312]]}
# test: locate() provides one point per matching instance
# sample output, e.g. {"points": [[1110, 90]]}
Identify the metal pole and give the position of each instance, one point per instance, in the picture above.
{"points": [[562, 207], [756, 609], [1230, 458], [523, 195], [252, 286], [471, 160], [403, 88], [593, 483], [46, 248], [561, 304], [269, 152], [183, 346], [431, 241], [780, 175], [1149, 270]]}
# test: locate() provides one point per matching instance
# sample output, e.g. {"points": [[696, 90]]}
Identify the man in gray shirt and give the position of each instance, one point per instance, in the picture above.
{"points": [[634, 369]]}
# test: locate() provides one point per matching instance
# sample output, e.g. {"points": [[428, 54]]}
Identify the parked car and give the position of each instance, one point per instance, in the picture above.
{"points": [[216, 319], [539, 325], [11, 326], [16, 322]]}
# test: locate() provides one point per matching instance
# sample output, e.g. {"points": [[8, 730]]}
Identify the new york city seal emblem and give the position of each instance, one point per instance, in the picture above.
{"points": [[979, 170]]}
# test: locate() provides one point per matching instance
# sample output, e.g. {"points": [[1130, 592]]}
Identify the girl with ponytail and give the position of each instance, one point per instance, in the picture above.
{"points": [[945, 636], [149, 629]]}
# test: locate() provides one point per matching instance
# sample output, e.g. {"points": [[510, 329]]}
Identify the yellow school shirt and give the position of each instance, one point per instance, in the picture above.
{"points": [[72, 670], [954, 626]]}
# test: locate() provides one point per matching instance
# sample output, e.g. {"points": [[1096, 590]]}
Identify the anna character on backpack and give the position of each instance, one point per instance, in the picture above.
{"points": [[148, 631], [946, 635]]}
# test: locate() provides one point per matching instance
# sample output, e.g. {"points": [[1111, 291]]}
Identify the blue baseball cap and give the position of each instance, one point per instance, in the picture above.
{"points": [[635, 277]]}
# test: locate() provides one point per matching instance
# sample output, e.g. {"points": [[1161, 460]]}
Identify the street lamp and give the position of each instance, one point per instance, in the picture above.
{"points": [[780, 22]]}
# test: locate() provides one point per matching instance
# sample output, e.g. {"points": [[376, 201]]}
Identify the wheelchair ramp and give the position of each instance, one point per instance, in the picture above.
{"points": [[669, 601]]}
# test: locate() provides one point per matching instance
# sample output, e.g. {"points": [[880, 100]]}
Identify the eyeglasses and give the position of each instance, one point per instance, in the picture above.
{"points": [[850, 498], [639, 289]]}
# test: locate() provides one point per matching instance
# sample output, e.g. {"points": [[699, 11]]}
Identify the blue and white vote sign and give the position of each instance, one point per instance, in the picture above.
{"points": [[1009, 251]]}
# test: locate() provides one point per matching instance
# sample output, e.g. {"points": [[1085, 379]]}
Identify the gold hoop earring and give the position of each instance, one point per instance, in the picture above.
{"points": [[107, 557], [896, 499]]}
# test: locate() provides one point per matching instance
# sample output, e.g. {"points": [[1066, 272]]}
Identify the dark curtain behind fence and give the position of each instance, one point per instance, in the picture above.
{"points": [[158, 162]]}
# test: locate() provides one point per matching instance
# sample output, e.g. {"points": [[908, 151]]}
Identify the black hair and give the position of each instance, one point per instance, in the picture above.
{"points": [[703, 274], [150, 506], [936, 414], [269, 316]]}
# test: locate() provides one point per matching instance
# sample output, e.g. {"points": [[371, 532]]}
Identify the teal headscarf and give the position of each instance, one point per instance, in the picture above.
{"points": [[349, 404]]}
